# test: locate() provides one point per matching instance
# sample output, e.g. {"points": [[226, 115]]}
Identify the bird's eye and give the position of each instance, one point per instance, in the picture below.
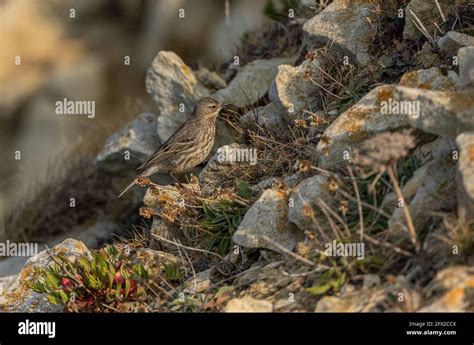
{"points": [[213, 106]]}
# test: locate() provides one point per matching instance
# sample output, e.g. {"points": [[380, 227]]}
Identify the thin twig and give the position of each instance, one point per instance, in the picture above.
{"points": [[186, 247], [359, 204], [440, 11], [406, 212], [289, 252]]}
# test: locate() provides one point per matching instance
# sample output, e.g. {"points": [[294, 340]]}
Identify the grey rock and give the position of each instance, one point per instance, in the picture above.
{"points": [[307, 199], [453, 41], [267, 219], [428, 13], [293, 90], [248, 304], [18, 297], [362, 120], [138, 139], [343, 25], [209, 79], [432, 193], [441, 147], [465, 176], [265, 117], [273, 182], [445, 113], [170, 82], [251, 82], [466, 65], [431, 79], [450, 290]]}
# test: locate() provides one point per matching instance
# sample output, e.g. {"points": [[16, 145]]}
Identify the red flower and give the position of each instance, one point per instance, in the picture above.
{"points": [[119, 279], [66, 283]]}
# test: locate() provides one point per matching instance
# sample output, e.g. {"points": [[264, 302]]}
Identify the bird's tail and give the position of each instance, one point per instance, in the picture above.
{"points": [[134, 182]]}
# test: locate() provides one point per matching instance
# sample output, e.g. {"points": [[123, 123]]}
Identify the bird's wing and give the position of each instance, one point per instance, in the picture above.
{"points": [[179, 141]]}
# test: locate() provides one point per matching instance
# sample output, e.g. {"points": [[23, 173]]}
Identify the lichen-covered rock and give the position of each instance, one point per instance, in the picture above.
{"points": [[359, 122], [18, 297], [343, 25], [430, 79], [451, 291], [453, 41], [293, 90], [466, 65], [307, 200], [129, 146], [465, 176], [170, 82], [248, 305], [267, 219], [445, 113], [251, 82]]}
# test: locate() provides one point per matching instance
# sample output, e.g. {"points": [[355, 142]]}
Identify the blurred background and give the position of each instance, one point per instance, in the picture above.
{"points": [[75, 49]]}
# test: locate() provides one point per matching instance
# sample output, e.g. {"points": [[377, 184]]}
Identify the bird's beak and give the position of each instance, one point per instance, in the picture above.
{"points": [[226, 105]]}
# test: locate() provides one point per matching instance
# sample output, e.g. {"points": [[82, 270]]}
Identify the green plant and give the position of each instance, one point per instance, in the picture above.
{"points": [[105, 279], [173, 273], [223, 217], [330, 280]]}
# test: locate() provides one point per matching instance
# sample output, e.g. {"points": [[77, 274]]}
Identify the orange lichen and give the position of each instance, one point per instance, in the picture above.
{"points": [[454, 298], [461, 100], [384, 94], [470, 153]]}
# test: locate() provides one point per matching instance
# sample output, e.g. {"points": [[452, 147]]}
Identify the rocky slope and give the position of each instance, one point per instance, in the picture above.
{"points": [[364, 139]]}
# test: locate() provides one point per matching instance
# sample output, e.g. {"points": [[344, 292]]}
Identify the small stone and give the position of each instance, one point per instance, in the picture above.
{"points": [[248, 305], [453, 41], [200, 283], [306, 201], [251, 82], [371, 280], [267, 219]]}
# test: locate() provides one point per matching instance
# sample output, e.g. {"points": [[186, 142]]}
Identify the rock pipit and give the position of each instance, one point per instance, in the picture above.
{"points": [[187, 147]]}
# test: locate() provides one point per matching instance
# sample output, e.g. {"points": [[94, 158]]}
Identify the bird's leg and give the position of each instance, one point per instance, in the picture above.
{"points": [[176, 179]]}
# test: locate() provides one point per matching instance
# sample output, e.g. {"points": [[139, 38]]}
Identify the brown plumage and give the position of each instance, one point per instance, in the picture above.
{"points": [[188, 146]]}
